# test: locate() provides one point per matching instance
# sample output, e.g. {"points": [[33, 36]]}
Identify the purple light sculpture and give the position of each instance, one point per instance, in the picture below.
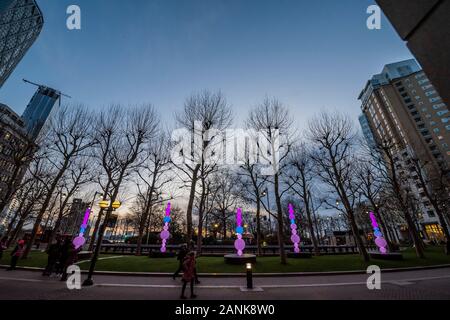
{"points": [[81, 240], [295, 238], [239, 244], [379, 239], [165, 234]]}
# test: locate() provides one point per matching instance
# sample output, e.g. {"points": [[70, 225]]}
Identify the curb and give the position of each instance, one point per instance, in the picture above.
{"points": [[239, 275]]}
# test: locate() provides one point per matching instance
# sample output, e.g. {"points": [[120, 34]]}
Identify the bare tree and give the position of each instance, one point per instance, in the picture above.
{"points": [[273, 124], [398, 181], [226, 198], [70, 135], [332, 136], [77, 176], [435, 188], [205, 116], [371, 187], [253, 186], [300, 178], [153, 175], [122, 135]]}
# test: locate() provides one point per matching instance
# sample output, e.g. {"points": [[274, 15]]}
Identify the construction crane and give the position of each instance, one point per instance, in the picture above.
{"points": [[40, 85]]}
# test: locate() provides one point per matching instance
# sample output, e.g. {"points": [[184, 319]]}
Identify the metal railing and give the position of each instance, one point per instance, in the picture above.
{"points": [[219, 250]]}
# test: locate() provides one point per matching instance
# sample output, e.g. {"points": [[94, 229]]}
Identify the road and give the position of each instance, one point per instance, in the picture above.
{"points": [[419, 284]]}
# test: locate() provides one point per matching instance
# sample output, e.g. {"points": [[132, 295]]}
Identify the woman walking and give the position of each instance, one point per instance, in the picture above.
{"points": [[189, 274], [16, 254]]}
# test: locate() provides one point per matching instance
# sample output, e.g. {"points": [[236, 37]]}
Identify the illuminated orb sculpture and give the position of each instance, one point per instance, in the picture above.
{"points": [[165, 234], [379, 239], [239, 244], [79, 241], [295, 238]]}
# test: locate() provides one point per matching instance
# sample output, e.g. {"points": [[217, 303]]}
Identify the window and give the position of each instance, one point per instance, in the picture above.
{"points": [[438, 106], [408, 100], [441, 113], [411, 106], [430, 93], [448, 129], [445, 120], [436, 99], [404, 95], [430, 213]]}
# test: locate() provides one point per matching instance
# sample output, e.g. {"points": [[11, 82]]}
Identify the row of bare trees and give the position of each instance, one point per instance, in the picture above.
{"points": [[127, 154]]}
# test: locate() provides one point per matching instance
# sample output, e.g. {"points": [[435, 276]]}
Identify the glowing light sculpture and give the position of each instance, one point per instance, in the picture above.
{"points": [[80, 240], [165, 234], [295, 238], [379, 239], [239, 244]]}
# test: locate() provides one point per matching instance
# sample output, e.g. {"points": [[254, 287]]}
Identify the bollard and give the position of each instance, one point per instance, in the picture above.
{"points": [[249, 276]]}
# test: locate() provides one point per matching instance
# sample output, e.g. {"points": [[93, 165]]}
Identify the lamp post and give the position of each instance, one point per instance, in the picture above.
{"points": [[249, 276], [110, 207]]}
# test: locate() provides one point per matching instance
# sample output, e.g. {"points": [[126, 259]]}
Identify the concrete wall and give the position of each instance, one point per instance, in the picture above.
{"points": [[425, 25]]}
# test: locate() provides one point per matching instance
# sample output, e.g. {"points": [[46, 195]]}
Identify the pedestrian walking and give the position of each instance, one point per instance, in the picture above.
{"points": [[54, 253], [72, 257], [16, 254], [64, 255], [3, 246], [189, 274], [180, 257]]}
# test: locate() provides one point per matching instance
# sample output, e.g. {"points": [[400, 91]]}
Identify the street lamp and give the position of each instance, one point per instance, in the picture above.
{"points": [[110, 207]]}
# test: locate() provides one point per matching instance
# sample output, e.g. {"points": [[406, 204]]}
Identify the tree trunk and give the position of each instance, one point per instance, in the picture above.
{"points": [[44, 208], [357, 236], [384, 229], [189, 230], [200, 218], [258, 226], [280, 220], [16, 231], [311, 231], [96, 229]]}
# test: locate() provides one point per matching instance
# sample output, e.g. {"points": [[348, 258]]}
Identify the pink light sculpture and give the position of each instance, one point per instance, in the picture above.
{"points": [[379, 239], [80, 240], [165, 234], [239, 244], [295, 238]]}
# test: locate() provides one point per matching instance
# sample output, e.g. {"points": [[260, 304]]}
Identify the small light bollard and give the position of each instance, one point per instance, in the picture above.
{"points": [[249, 276]]}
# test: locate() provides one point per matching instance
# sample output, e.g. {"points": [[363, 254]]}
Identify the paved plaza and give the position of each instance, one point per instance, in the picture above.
{"points": [[420, 284]]}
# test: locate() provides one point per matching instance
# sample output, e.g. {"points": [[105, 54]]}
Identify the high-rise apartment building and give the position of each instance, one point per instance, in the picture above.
{"points": [[403, 107], [15, 151], [41, 106], [21, 22]]}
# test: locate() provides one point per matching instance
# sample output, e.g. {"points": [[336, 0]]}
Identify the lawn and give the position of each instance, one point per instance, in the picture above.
{"points": [[435, 256]]}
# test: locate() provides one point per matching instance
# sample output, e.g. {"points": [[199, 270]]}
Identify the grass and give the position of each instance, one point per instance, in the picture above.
{"points": [[434, 256]]}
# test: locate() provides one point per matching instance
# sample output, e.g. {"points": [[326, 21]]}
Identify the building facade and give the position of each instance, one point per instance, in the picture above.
{"points": [[21, 22], [15, 151], [425, 26], [402, 106], [42, 105], [71, 223]]}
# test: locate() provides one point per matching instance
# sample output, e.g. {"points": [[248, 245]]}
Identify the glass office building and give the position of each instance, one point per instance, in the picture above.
{"points": [[21, 22], [44, 102]]}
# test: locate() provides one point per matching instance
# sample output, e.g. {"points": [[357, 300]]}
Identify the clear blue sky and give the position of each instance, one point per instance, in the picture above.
{"points": [[310, 54]]}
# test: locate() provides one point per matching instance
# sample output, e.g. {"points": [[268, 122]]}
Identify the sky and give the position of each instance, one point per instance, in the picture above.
{"points": [[311, 55]]}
